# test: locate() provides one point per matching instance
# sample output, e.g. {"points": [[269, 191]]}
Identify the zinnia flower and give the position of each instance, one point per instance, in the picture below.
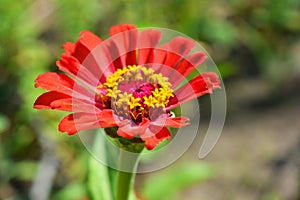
{"points": [[129, 81]]}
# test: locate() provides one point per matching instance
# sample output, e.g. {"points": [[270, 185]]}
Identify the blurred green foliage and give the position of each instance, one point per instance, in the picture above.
{"points": [[171, 182], [257, 38]]}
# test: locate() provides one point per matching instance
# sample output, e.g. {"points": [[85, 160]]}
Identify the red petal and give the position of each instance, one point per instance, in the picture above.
{"points": [[202, 84], [59, 101], [63, 104], [76, 122], [46, 100], [121, 28], [107, 115], [114, 56], [147, 41], [186, 66], [71, 65], [69, 47], [175, 122], [103, 65], [154, 135], [75, 105], [86, 43], [78, 53], [180, 45], [124, 37], [170, 54], [63, 84], [130, 130], [84, 53], [55, 82], [71, 126], [68, 64]]}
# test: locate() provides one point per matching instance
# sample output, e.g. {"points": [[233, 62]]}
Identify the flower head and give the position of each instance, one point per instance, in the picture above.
{"points": [[129, 81]]}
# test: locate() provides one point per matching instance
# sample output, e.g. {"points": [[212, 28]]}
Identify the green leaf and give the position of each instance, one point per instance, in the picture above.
{"points": [[175, 179], [99, 183], [102, 180], [24, 170], [72, 191], [227, 69], [4, 123], [132, 196]]}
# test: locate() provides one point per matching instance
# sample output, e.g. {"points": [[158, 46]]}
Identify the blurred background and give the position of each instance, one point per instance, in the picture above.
{"points": [[256, 46]]}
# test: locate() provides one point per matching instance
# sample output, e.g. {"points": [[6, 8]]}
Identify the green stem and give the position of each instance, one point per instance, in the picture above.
{"points": [[124, 185], [125, 178]]}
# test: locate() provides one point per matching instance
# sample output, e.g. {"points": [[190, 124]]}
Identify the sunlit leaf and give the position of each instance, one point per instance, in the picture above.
{"points": [[25, 170], [4, 123], [72, 191], [98, 177], [174, 179]]}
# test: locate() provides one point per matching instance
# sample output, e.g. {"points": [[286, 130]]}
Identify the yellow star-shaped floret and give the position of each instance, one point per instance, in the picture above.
{"points": [[134, 102], [150, 101]]}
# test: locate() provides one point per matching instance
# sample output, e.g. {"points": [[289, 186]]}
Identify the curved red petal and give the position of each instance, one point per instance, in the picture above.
{"points": [[81, 53], [68, 64], [86, 43], [130, 130], [186, 66], [154, 135], [107, 115], [59, 101], [76, 122], [67, 125], [202, 84], [71, 126], [69, 47], [55, 82], [147, 41], [84, 53], [179, 45], [121, 28], [113, 56], [124, 37], [62, 83], [170, 53], [46, 100], [175, 122], [63, 104], [87, 76]]}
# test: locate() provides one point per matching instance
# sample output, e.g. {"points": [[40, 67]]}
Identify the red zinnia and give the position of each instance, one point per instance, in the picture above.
{"points": [[129, 81]]}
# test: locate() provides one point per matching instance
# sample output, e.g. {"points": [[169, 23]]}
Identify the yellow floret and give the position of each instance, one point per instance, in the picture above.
{"points": [[159, 97], [134, 102], [150, 101], [124, 97]]}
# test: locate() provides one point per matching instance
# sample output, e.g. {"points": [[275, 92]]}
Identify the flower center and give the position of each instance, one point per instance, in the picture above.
{"points": [[134, 92]]}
